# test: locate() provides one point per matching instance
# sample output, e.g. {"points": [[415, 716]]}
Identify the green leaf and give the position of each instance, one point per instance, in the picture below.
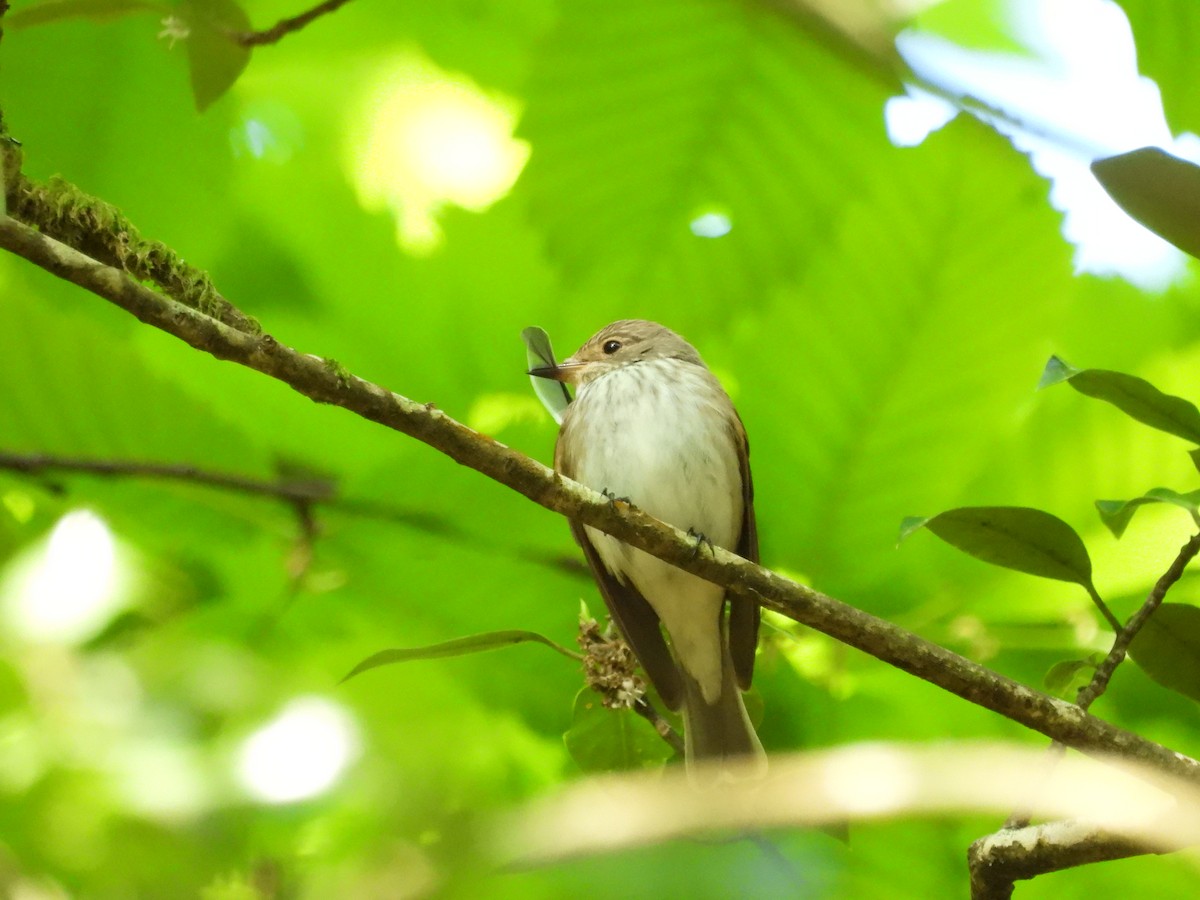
{"points": [[1168, 648], [58, 10], [1134, 396], [611, 740], [696, 127], [1157, 189], [475, 643], [911, 524], [1162, 30], [215, 59], [1062, 674], [1015, 537], [1056, 372], [231, 887], [1116, 513], [538, 352], [989, 25]]}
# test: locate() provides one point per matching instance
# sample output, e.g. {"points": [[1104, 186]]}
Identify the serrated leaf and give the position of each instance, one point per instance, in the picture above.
{"points": [[538, 352], [476, 643], [1116, 513], [1158, 190], [1015, 537], [58, 10], [1134, 396], [1168, 648], [215, 59], [611, 740], [694, 128]]}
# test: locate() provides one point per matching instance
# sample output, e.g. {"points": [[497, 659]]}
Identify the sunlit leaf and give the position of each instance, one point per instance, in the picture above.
{"points": [[988, 25], [610, 740], [476, 643], [841, 307], [1158, 26], [215, 58], [1168, 648], [538, 352], [1134, 396], [1157, 189], [1056, 372], [58, 10], [1116, 513], [1015, 537], [910, 524], [625, 164]]}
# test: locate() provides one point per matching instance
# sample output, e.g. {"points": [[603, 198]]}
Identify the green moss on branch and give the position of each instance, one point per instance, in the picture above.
{"points": [[100, 230]]}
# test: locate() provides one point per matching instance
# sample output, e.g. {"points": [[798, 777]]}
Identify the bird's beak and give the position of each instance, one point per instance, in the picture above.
{"points": [[566, 371]]}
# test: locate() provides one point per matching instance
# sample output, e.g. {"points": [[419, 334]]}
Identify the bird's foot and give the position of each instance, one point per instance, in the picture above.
{"points": [[614, 500], [701, 541]]}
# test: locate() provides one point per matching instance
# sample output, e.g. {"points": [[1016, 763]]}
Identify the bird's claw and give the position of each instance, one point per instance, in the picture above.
{"points": [[701, 540], [614, 500]]}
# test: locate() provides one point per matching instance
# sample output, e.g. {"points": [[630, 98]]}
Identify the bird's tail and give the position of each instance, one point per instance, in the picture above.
{"points": [[719, 741]]}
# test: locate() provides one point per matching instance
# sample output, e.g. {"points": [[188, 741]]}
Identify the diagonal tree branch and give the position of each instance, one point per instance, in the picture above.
{"points": [[327, 382], [102, 232]]}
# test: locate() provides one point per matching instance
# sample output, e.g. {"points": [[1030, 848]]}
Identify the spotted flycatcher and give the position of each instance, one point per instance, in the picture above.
{"points": [[651, 424]]}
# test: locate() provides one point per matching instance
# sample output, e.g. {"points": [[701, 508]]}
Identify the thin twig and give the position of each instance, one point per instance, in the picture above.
{"points": [[1112, 620], [1104, 672], [1086, 696], [284, 27], [299, 564], [313, 377], [302, 493], [294, 490], [647, 711]]}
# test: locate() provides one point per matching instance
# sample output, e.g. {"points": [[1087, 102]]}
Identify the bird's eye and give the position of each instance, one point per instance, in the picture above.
{"points": [[611, 347]]}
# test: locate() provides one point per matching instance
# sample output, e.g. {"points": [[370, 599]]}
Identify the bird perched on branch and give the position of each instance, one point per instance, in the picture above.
{"points": [[652, 425]]}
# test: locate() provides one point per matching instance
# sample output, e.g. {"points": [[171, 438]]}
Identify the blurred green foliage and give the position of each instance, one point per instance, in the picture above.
{"points": [[879, 314]]}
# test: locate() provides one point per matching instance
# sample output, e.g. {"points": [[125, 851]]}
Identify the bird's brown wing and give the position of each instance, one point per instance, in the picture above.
{"points": [[744, 614], [638, 623]]}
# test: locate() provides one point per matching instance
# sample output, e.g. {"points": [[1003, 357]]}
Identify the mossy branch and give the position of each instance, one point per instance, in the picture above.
{"points": [[313, 377], [100, 230]]}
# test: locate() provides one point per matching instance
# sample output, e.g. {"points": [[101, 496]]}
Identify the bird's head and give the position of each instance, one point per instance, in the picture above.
{"points": [[623, 343]]}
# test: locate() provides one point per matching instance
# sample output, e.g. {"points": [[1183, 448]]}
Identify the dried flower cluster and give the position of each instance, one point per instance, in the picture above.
{"points": [[609, 666]]}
